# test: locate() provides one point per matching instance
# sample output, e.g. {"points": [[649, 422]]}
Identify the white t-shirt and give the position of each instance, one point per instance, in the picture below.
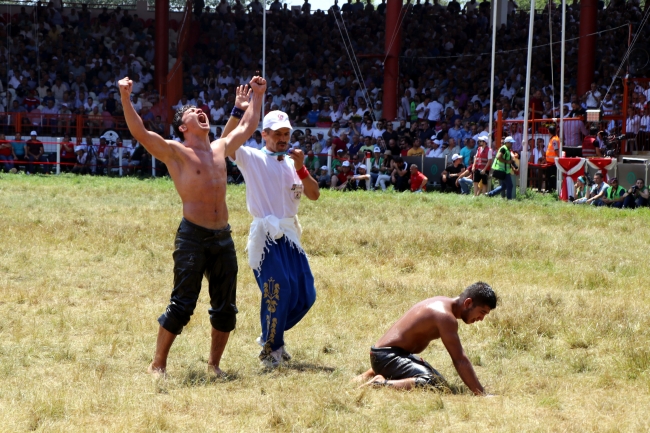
{"points": [[435, 108], [272, 187]]}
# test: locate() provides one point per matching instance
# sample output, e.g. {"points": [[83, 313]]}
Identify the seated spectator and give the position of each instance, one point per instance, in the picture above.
{"points": [[94, 122], [636, 196], [135, 160], [596, 193], [81, 165], [356, 144], [324, 179], [18, 148], [68, 155], [6, 159], [312, 163], [614, 194], [418, 179], [361, 180], [401, 176], [50, 117], [579, 189], [417, 149], [436, 150], [451, 174], [340, 179], [36, 153], [368, 147]]}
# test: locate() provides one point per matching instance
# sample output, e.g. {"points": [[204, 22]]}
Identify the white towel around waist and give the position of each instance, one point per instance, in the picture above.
{"points": [[267, 230]]}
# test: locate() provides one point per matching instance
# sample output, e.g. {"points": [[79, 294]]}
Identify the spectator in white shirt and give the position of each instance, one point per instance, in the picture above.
{"points": [[434, 110], [217, 113], [508, 89], [539, 152], [593, 97], [184, 101], [367, 129], [137, 104], [436, 149]]}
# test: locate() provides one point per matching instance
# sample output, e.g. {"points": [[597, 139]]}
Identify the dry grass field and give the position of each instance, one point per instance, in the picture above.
{"points": [[86, 268]]}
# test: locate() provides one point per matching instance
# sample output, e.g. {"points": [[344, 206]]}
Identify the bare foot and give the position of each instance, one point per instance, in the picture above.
{"points": [[215, 371], [157, 372], [364, 377], [377, 380]]}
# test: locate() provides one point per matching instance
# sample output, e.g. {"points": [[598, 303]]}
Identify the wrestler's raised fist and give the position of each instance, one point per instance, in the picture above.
{"points": [[125, 85], [258, 84]]}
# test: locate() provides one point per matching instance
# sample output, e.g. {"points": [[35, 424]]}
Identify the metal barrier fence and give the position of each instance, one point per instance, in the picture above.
{"points": [[101, 159], [75, 125]]}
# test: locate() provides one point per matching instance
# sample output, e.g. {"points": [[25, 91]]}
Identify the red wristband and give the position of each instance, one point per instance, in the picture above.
{"points": [[303, 172]]}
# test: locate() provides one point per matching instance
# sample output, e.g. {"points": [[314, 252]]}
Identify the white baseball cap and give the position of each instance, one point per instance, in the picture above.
{"points": [[509, 140], [275, 120], [33, 133], [456, 157], [376, 149], [362, 166], [324, 167], [346, 163]]}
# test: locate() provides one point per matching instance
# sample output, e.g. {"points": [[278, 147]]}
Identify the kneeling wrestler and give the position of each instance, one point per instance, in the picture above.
{"points": [[393, 358]]}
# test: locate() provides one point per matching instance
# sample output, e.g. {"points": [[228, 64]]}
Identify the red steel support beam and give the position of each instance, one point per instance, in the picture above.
{"points": [[161, 57], [587, 46], [393, 44]]}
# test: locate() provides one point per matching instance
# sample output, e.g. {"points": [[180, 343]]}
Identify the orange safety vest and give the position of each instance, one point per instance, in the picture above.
{"points": [[551, 153]]}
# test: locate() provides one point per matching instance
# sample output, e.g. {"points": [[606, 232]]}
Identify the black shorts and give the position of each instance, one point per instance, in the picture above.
{"points": [[480, 177], [394, 363], [198, 252]]}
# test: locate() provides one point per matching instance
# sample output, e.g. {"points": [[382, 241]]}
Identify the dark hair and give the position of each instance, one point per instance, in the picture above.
{"points": [[552, 129], [178, 120], [593, 130], [481, 294]]}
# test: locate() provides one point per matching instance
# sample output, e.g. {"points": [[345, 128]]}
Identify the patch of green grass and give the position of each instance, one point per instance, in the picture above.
{"points": [[86, 269]]}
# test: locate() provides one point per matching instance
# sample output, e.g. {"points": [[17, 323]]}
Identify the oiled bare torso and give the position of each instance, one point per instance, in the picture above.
{"points": [[419, 326], [200, 179]]}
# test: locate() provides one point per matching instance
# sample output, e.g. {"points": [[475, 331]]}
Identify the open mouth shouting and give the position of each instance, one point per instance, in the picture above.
{"points": [[203, 119]]}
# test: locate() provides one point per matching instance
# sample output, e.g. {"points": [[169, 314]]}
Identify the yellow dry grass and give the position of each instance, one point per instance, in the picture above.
{"points": [[85, 270]]}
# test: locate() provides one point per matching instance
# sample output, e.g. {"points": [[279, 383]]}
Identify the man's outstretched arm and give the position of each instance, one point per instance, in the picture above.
{"points": [[251, 118], [154, 143], [448, 328]]}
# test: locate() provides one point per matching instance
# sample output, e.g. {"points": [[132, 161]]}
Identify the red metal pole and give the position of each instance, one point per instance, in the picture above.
{"points": [[499, 132], [393, 44], [161, 57], [587, 46]]}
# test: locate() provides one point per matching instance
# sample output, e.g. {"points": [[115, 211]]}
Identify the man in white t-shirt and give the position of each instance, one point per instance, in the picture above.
{"points": [[276, 178], [434, 110]]}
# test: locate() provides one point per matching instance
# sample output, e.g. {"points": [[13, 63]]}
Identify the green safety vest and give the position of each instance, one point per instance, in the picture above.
{"points": [[498, 165], [616, 194]]}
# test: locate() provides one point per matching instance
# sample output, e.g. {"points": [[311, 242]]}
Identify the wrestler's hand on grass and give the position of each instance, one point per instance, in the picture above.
{"points": [[258, 84], [242, 97], [126, 86], [298, 158]]}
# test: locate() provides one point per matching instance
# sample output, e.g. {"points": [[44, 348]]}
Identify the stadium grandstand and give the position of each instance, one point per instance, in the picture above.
{"points": [[329, 70]]}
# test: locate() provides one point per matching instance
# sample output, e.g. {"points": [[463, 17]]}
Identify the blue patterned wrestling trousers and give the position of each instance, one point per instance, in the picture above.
{"points": [[288, 292]]}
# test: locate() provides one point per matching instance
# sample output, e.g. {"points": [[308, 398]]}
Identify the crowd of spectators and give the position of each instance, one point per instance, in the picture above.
{"points": [[59, 62]]}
